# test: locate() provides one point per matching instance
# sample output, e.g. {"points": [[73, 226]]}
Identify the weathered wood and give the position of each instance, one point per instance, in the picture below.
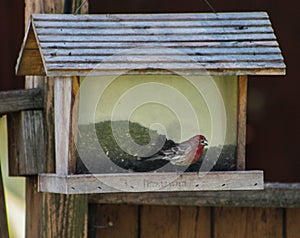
{"points": [[162, 220], [162, 17], [26, 152], [114, 221], [156, 51], [51, 215], [273, 195], [155, 31], [276, 70], [48, 115], [57, 33], [156, 38], [175, 58], [3, 217], [175, 45], [149, 24], [292, 225], [18, 100], [248, 222], [242, 122], [54, 215], [143, 182], [65, 90], [31, 60]]}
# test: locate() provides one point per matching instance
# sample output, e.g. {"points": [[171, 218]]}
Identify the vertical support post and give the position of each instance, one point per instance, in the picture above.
{"points": [[51, 215], [65, 89], [241, 129]]}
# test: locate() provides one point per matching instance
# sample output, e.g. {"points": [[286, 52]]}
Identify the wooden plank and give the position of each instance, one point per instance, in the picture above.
{"points": [[161, 220], [204, 222], [161, 58], [143, 182], [114, 221], [248, 222], [49, 124], [292, 228], [126, 45], [65, 90], [162, 17], [151, 23], [156, 31], [157, 51], [242, 122], [157, 38], [229, 68], [26, 153], [280, 70], [168, 65], [3, 217], [18, 100], [14, 144], [187, 221], [273, 195], [195, 222]]}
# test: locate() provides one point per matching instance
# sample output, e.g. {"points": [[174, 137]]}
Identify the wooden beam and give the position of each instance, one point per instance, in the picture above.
{"points": [[273, 195], [20, 100], [147, 182], [51, 215], [26, 143], [65, 90], [241, 130]]}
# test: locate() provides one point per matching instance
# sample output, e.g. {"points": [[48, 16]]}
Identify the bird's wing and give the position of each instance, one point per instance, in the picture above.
{"points": [[177, 149]]}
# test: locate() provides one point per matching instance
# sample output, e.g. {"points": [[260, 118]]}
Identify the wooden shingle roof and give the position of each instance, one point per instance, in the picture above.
{"points": [[222, 43]]}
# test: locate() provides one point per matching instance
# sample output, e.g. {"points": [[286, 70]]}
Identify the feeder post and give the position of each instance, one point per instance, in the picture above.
{"points": [[65, 90], [241, 133]]}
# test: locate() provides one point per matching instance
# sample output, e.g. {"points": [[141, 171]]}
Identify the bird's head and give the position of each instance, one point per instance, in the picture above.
{"points": [[202, 140]]}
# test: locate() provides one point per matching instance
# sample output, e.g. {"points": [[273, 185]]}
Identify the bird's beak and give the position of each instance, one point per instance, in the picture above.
{"points": [[204, 142]]}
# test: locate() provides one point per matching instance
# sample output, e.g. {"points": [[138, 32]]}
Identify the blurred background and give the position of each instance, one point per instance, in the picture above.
{"points": [[273, 127]]}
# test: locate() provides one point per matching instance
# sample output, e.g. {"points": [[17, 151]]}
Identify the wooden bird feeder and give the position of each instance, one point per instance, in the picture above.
{"points": [[204, 57]]}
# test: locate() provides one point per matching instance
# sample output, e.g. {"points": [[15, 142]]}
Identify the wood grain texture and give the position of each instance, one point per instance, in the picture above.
{"points": [[273, 195], [26, 152], [113, 221], [18, 100], [31, 60], [65, 43], [160, 221], [204, 222], [195, 222], [292, 222], [248, 222], [51, 215], [48, 115], [242, 122], [153, 182], [3, 217], [65, 90]]}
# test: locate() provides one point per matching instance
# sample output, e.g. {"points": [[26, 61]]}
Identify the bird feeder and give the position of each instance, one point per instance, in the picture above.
{"points": [[133, 81]]}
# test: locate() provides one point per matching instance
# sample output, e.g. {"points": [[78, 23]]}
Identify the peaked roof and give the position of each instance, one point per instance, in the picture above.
{"points": [[223, 43]]}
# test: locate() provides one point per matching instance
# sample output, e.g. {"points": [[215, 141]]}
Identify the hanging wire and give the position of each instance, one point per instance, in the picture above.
{"points": [[210, 6], [80, 6]]}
